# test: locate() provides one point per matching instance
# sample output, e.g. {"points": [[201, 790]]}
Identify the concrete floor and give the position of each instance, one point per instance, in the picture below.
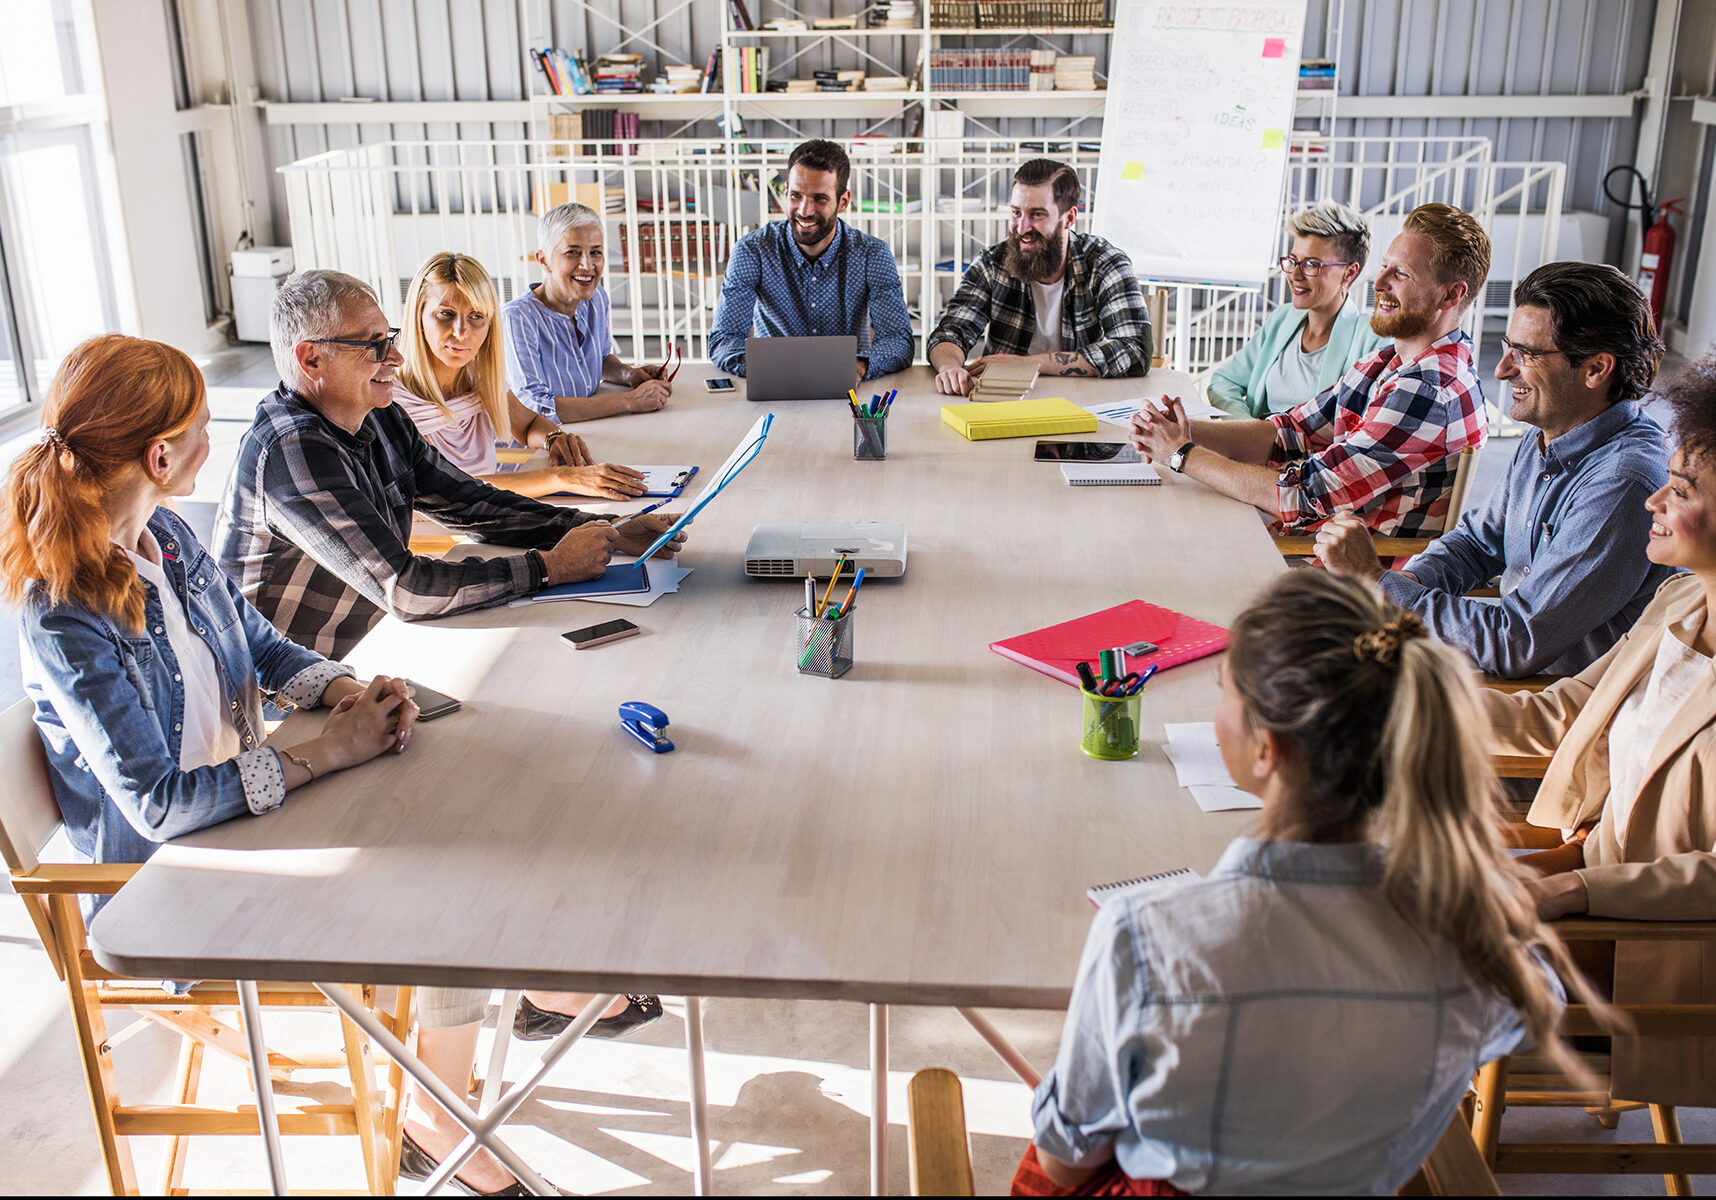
{"points": [[788, 1082]]}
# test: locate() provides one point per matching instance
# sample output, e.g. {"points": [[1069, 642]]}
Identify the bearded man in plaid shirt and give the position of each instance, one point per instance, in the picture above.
{"points": [[1380, 443], [1067, 302]]}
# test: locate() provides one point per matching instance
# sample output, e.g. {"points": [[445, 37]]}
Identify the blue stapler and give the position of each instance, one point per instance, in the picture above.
{"points": [[645, 722]]}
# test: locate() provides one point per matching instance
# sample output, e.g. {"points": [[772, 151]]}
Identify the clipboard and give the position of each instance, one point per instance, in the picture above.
{"points": [[666, 482]]}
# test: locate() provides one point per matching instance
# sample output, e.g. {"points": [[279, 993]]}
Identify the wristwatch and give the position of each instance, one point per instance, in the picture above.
{"points": [[1177, 460]]}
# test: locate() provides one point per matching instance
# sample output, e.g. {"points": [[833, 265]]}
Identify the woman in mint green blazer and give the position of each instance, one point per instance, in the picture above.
{"points": [[1306, 347]]}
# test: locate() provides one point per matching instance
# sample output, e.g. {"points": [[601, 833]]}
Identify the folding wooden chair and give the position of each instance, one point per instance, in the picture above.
{"points": [[1526, 1081], [941, 1157], [29, 819]]}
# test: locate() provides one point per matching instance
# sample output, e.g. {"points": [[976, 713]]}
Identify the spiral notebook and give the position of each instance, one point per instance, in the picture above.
{"points": [[1058, 650], [1111, 475], [1102, 891]]}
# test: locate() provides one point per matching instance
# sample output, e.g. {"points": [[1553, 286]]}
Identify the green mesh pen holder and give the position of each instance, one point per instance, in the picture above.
{"points": [[824, 647], [869, 438], [1110, 725]]}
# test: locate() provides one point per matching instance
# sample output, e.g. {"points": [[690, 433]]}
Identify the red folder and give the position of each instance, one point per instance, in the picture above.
{"points": [[1059, 649]]}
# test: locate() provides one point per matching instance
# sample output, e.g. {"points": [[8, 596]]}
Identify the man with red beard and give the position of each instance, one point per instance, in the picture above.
{"points": [[1380, 443], [1067, 302]]}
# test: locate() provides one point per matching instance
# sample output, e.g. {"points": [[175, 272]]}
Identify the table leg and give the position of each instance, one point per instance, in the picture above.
{"points": [[266, 1117], [497, 1057], [1014, 1060], [702, 1185], [878, 1099], [482, 1129]]}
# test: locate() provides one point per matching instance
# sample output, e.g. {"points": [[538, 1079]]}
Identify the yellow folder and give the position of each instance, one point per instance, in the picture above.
{"points": [[1018, 418]]}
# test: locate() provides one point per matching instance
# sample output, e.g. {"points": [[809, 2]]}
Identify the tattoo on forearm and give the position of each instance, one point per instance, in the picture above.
{"points": [[1072, 363]]}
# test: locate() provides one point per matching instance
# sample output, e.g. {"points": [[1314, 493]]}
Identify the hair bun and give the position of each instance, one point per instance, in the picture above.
{"points": [[1382, 644]]}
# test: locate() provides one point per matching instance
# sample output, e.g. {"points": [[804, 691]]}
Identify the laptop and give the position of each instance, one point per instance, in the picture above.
{"points": [[800, 368]]}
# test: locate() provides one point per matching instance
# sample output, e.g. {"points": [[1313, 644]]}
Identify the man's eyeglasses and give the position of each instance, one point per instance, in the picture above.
{"points": [[378, 346], [1525, 355], [1312, 267]]}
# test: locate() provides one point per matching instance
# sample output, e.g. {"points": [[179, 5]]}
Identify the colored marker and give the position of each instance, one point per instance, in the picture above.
{"points": [[845, 605], [839, 564]]}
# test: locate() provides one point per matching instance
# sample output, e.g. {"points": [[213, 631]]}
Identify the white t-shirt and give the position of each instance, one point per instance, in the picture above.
{"points": [[1646, 712], [1292, 378], [1046, 299], [209, 735]]}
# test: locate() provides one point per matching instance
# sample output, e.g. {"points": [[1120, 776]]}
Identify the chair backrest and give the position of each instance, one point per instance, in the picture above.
{"points": [[1465, 466], [29, 814]]}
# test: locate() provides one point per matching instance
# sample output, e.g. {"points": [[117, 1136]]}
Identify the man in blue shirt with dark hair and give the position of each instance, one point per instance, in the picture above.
{"points": [[1564, 534], [814, 275]]}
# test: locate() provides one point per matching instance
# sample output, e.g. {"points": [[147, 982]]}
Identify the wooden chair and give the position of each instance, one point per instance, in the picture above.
{"points": [[1465, 464], [1525, 1081], [29, 819], [941, 1157]]}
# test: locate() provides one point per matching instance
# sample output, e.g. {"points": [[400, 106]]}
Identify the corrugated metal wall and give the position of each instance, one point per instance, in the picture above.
{"points": [[326, 50]]}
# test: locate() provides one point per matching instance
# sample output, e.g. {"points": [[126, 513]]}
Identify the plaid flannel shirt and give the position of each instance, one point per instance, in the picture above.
{"points": [[1381, 441], [1103, 314], [316, 521]]}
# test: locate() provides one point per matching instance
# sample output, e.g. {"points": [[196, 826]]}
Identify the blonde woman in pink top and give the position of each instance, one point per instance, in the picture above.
{"points": [[453, 387]]}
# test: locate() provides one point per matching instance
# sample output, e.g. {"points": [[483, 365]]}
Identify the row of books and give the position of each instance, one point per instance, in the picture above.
{"points": [[574, 75], [1317, 74], [1013, 14], [1011, 71], [594, 127], [747, 68]]}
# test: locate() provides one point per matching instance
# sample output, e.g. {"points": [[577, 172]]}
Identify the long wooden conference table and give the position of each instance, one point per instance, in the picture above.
{"points": [[921, 831]]}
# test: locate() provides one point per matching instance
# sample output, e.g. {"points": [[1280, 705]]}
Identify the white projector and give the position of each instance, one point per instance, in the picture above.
{"points": [[794, 551]]}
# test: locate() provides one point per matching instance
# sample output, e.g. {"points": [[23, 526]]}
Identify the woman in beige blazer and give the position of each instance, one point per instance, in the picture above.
{"points": [[1634, 772]]}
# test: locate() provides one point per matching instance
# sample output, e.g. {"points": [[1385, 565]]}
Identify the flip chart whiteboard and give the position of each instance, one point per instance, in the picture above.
{"points": [[1194, 136]]}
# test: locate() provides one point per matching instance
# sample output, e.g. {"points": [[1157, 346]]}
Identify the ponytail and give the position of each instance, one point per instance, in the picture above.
{"points": [[111, 399], [1383, 739]]}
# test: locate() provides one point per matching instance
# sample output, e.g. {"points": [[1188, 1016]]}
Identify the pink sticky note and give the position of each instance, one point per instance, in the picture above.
{"points": [[1274, 47]]}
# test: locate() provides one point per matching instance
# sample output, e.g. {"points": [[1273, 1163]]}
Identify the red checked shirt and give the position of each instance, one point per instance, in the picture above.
{"points": [[1381, 442]]}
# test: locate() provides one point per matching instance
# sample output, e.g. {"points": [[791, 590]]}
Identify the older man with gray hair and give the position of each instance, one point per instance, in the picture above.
{"points": [[317, 515], [559, 339]]}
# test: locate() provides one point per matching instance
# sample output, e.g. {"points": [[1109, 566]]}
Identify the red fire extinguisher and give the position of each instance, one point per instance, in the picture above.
{"points": [[1658, 255], [1654, 262]]}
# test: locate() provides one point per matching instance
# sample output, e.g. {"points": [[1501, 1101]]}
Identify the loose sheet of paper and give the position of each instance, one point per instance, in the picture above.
{"points": [[1198, 766], [1120, 412]]}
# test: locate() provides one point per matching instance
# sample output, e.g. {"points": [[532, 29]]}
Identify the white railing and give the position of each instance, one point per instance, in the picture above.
{"points": [[378, 210]]}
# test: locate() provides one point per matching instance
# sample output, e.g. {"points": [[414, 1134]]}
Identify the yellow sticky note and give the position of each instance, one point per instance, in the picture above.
{"points": [[1274, 139], [1132, 172]]}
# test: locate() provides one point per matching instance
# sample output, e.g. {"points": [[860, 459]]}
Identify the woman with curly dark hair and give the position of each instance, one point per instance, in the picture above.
{"points": [[1634, 772]]}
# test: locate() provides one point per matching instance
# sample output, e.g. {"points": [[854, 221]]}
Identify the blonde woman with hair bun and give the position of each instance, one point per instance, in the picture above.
{"points": [[453, 387], [1306, 1019]]}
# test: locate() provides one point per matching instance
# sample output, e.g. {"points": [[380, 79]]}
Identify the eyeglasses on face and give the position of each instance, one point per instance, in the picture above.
{"points": [[378, 346], [1526, 355], [1312, 267]]}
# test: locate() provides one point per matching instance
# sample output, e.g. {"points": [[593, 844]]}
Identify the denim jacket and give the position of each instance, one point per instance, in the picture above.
{"points": [[110, 705], [1277, 1028]]}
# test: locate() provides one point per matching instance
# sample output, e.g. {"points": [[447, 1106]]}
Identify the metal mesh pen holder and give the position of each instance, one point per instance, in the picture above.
{"points": [[824, 647], [869, 438], [1110, 725]]}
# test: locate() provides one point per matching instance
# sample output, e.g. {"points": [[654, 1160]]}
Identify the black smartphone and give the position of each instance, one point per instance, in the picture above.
{"points": [[596, 635], [1102, 452], [718, 385], [432, 704]]}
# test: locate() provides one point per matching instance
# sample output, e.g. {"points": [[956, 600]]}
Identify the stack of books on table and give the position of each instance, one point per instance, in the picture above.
{"points": [[799, 86], [619, 73], [1005, 381], [839, 81], [885, 83], [679, 79], [1075, 73]]}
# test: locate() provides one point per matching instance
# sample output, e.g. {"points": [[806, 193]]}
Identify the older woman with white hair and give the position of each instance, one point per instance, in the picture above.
{"points": [[559, 340], [1306, 347]]}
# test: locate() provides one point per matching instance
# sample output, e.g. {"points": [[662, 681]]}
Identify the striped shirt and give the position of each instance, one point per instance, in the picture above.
{"points": [[852, 287], [316, 521], [549, 354], [1103, 314], [1382, 441]]}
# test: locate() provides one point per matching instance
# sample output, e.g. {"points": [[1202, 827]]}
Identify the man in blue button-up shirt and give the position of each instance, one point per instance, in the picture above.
{"points": [[1566, 531], [814, 275]]}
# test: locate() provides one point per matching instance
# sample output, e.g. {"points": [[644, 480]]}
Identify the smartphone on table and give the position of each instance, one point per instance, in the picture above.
{"points": [[718, 385], [432, 704], [597, 635], [1090, 452]]}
